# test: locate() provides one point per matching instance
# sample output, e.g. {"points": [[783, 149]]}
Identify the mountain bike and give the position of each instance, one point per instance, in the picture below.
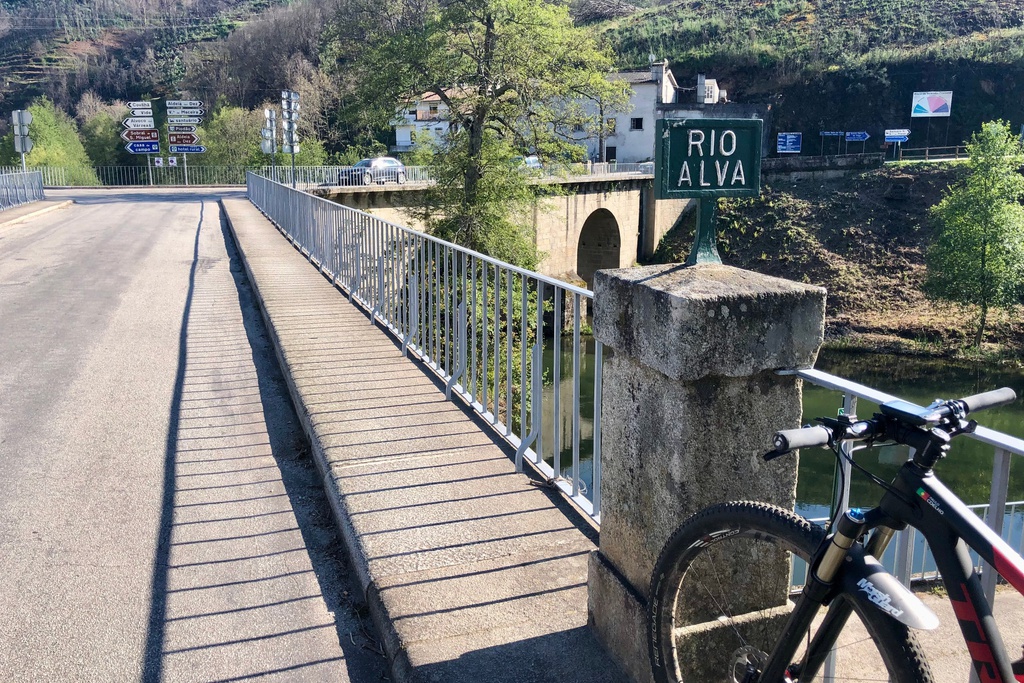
{"points": [[748, 592]]}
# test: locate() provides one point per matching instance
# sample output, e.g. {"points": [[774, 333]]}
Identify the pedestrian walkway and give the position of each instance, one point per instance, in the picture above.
{"points": [[472, 573]]}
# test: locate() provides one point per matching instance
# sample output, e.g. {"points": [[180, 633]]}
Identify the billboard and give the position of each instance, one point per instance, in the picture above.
{"points": [[932, 104]]}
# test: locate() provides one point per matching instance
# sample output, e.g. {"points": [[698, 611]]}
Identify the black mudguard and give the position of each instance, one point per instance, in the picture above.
{"points": [[867, 580]]}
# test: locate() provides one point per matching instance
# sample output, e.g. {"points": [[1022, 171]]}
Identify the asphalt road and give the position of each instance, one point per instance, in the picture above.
{"points": [[159, 517]]}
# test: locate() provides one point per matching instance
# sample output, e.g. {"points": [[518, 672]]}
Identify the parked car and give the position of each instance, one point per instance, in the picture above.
{"points": [[369, 171]]}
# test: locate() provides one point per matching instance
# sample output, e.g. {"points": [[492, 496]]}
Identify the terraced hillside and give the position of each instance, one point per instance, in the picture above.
{"points": [[117, 48]]}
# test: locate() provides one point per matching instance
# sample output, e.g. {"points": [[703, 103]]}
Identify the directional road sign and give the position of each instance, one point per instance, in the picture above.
{"points": [[831, 133], [896, 132], [290, 149], [267, 146], [182, 138], [857, 136], [142, 112], [185, 111], [290, 95], [140, 105], [183, 103], [141, 135], [23, 145], [181, 129], [789, 143], [187, 149], [137, 122], [897, 138], [21, 116], [186, 120], [143, 147]]}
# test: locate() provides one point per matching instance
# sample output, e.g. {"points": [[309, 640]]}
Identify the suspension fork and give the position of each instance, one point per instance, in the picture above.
{"points": [[818, 590]]}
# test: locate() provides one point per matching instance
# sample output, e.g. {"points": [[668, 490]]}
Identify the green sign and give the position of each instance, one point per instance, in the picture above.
{"points": [[706, 158]]}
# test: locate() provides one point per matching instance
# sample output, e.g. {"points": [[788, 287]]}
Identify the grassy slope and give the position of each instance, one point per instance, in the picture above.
{"points": [[867, 250]]}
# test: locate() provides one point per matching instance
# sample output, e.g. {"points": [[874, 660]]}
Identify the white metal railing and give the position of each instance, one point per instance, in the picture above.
{"points": [[18, 188], [908, 557], [306, 177], [494, 333]]}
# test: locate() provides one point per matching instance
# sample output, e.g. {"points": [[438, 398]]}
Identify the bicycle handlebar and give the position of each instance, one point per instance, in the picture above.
{"points": [[901, 412], [807, 437], [989, 399]]}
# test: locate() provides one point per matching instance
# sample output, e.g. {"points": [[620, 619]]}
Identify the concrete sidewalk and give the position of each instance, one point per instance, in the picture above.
{"points": [[470, 572], [23, 212]]}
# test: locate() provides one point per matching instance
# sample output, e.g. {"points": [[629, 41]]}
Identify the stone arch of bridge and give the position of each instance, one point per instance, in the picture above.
{"points": [[598, 246]]}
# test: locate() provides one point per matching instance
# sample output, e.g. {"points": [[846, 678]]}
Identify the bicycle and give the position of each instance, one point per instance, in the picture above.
{"points": [[723, 606]]}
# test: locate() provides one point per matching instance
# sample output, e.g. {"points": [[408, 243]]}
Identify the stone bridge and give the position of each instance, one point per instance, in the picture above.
{"points": [[598, 221]]}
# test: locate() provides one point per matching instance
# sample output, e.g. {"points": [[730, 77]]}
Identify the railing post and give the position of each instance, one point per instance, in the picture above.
{"points": [[460, 350], [536, 409], [414, 315], [380, 291], [996, 513]]}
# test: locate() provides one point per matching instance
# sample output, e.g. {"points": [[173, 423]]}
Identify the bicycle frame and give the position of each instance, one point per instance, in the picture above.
{"points": [[950, 527]]}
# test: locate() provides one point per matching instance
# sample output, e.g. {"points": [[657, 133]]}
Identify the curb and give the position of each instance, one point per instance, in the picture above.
{"points": [[37, 212]]}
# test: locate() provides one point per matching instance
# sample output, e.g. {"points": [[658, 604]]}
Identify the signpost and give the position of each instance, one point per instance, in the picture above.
{"points": [[139, 122], [183, 120], [860, 136], [789, 143], [144, 147], [705, 159], [898, 136], [289, 125], [269, 142], [22, 142], [141, 135]]}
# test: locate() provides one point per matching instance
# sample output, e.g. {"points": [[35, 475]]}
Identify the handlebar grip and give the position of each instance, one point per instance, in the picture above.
{"points": [[791, 439], [989, 399]]}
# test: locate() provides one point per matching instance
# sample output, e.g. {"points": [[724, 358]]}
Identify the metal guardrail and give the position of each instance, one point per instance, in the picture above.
{"points": [[306, 177], [933, 153], [908, 557], [491, 331], [17, 188]]}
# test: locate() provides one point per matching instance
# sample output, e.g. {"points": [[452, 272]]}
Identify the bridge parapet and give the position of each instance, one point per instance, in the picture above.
{"points": [[690, 402]]}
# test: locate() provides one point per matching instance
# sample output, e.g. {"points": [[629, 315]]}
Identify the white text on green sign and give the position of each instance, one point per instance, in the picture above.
{"points": [[709, 158]]}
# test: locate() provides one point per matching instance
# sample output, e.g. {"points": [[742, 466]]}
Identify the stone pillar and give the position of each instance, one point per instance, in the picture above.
{"points": [[691, 400]]}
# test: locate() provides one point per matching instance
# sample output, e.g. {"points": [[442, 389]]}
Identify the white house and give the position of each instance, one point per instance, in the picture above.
{"points": [[629, 135], [423, 119]]}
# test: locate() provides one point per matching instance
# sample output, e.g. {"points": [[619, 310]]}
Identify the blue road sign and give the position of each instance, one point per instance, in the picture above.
{"points": [[789, 143], [831, 133], [857, 136], [897, 138], [143, 147], [187, 149]]}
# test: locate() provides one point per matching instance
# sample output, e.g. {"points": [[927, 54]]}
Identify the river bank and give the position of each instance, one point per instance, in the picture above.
{"points": [[864, 238]]}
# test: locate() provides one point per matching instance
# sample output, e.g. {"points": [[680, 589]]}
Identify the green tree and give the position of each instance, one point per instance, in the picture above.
{"points": [[515, 76], [101, 137], [977, 258], [55, 143]]}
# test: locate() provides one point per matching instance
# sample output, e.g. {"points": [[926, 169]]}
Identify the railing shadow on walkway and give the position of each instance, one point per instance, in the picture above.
{"points": [[246, 541]]}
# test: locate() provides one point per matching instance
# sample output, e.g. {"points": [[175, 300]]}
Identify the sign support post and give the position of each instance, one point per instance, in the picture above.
{"points": [[184, 160], [149, 168], [705, 247]]}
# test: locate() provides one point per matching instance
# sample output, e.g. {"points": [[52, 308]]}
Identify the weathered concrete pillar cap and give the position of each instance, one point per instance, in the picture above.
{"points": [[705, 320]]}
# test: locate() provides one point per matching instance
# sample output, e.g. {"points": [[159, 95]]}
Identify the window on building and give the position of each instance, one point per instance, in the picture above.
{"points": [[610, 152], [609, 126], [636, 124], [577, 128], [433, 110]]}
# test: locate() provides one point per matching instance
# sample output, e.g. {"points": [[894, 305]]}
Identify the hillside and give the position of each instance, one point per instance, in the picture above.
{"points": [[119, 49], [863, 238], [842, 64]]}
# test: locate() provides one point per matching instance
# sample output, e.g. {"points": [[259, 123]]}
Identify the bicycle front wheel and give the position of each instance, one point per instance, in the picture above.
{"points": [[723, 589]]}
